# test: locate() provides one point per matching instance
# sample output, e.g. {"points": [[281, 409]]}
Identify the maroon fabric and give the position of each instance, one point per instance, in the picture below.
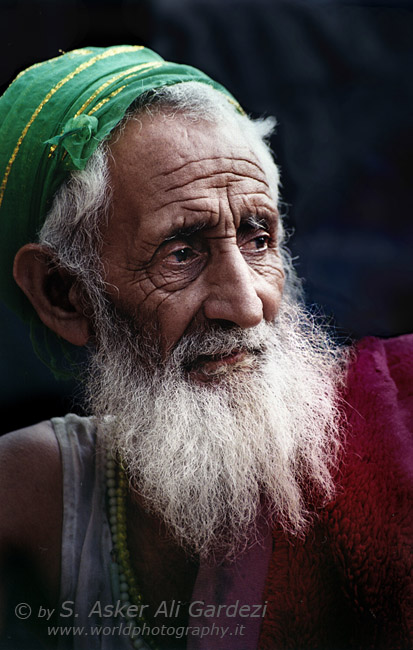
{"points": [[349, 584]]}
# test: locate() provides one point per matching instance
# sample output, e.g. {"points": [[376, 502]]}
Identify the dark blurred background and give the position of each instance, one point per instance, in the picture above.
{"points": [[337, 76]]}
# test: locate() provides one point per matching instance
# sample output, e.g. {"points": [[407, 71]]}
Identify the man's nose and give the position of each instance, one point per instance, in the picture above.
{"points": [[232, 295]]}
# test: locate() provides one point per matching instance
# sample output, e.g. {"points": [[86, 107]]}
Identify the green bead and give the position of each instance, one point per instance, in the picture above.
{"points": [[122, 571]]}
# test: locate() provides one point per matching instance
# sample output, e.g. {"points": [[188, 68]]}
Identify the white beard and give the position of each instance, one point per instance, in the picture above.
{"points": [[206, 457]]}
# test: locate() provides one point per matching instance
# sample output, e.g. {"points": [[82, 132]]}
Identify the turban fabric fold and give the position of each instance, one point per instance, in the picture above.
{"points": [[52, 118]]}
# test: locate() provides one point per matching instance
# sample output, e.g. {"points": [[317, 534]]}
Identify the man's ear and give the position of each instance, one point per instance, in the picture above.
{"points": [[53, 292]]}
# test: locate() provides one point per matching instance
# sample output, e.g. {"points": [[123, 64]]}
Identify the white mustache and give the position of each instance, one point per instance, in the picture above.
{"points": [[219, 343]]}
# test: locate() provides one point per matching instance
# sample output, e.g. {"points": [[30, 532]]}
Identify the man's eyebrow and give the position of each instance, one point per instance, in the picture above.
{"points": [[185, 231], [251, 221], [258, 221]]}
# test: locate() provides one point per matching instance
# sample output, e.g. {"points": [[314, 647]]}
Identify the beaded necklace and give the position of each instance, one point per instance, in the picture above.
{"points": [[122, 576]]}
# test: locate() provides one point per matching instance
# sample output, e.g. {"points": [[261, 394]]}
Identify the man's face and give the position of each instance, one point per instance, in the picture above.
{"points": [[191, 248], [191, 241]]}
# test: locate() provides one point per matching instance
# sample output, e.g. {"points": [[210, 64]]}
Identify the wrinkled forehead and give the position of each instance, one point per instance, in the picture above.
{"points": [[174, 154]]}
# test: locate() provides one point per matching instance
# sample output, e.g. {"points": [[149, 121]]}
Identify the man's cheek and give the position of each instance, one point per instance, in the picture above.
{"points": [[170, 280], [174, 315]]}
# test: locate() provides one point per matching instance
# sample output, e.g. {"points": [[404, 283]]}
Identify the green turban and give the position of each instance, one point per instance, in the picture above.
{"points": [[52, 118]]}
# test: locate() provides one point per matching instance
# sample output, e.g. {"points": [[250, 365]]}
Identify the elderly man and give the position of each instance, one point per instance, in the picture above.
{"points": [[241, 482]]}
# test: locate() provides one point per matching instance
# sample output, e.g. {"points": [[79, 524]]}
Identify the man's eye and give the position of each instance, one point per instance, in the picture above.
{"points": [[261, 242], [182, 254]]}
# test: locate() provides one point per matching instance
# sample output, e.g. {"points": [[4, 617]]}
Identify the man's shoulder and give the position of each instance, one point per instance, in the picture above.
{"points": [[38, 434], [30, 482], [28, 448], [32, 459]]}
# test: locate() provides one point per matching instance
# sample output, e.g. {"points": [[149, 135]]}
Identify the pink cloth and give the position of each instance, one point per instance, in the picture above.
{"points": [[349, 585]]}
